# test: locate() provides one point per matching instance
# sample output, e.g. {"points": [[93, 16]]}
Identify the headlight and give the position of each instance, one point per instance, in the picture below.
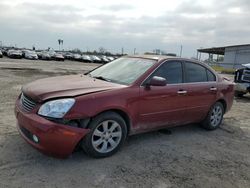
{"points": [[56, 108]]}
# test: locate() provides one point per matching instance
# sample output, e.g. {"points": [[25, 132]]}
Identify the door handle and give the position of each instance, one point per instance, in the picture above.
{"points": [[213, 89], [182, 92]]}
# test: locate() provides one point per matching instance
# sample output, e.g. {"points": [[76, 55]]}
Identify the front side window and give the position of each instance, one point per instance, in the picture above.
{"points": [[171, 71], [123, 70], [195, 72]]}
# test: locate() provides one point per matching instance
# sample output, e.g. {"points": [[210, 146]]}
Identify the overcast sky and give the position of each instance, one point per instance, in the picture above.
{"points": [[113, 24]]}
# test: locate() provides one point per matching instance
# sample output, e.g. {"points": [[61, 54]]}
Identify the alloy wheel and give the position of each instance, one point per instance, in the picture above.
{"points": [[107, 136], [216, 116]]}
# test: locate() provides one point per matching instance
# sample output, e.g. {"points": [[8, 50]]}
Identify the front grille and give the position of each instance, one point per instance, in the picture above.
{"points": [[246, 75], [27, 103]]}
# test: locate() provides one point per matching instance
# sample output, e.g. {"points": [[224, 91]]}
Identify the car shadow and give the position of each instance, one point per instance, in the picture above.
{"points": [[245, 98], [170, 150], [165, 133], [150, 139], [16, 149]]}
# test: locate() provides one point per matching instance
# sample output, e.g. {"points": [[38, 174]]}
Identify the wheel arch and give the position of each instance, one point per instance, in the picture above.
{"points": [[123, 114], [224, 103]]}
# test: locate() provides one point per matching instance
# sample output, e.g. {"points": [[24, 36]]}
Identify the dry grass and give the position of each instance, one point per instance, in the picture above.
{"points": [[223, 70]]}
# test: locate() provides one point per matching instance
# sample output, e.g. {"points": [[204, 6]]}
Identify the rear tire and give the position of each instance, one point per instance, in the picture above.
{"points": [[214, 117], [107, 135]]}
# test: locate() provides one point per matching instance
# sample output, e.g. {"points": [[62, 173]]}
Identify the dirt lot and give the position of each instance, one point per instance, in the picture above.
{"points": [[189, 157]]}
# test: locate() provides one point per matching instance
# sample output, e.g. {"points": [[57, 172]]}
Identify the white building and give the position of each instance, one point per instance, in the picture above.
{"points": [[234, 56]]}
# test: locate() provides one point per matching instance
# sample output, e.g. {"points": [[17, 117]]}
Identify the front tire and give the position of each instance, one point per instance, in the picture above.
{"points": [[108, 133], [214, 117]]}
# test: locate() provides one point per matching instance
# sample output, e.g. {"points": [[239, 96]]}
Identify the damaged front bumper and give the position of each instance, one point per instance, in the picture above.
{"points": [[49, 137]]}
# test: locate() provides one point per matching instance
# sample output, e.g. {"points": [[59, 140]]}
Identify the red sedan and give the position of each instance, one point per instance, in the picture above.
{"points": [[130, 95]]}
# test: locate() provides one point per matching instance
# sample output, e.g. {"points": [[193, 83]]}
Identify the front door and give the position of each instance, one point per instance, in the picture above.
{"points": [[161, 106]]}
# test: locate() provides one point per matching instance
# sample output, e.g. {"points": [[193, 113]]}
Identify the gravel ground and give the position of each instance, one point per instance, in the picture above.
{"points": [[187, 156]]}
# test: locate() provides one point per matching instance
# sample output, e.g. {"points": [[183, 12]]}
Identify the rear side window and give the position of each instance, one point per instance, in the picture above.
{"points": [[195, 72], [210, 76], [171, 71]]}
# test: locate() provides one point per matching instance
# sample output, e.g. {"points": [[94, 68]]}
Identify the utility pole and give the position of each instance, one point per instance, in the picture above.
{"points": [[60, 41], [181, 51], [134, 50], [62, 44]]}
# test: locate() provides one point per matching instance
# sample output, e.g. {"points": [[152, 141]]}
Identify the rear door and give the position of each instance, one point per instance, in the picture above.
{"points": [[201, 87]]}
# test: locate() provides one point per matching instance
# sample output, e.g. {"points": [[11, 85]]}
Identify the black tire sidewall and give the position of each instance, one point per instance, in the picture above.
{"points": [[87, 141]]}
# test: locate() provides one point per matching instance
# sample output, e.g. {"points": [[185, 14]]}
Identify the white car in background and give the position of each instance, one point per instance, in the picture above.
{"points": [[86, 58], [30, 55], [110, 58], [15, 54], [77, 57], [96, 59], [44, 55]]}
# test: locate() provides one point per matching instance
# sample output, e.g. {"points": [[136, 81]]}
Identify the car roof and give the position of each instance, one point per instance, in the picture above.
{"points": [[161, 58], [158, 57]]}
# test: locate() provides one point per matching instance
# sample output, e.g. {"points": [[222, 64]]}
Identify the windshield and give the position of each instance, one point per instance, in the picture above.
{"points": [[31, 52], [123, 70]]}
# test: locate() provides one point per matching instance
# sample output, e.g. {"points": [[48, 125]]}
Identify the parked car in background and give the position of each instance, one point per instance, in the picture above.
{"points": [[4, 51], [96, 59], [87, 58], [39, 55], [23, 52], [30, 55], [242, 80], [14, 54], [58, 57], [104, 59], [51, 52], [111, 58], [1, 54], [77, 57], [44, 55], [68, 56], [127, 96]]}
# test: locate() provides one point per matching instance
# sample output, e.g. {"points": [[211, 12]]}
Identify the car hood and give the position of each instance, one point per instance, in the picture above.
{"points": [[31, 55], [15, 53], [246, 65], [66, 86]]}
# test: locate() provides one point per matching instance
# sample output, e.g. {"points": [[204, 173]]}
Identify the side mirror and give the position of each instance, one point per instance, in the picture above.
{"points": [[157, 81]]}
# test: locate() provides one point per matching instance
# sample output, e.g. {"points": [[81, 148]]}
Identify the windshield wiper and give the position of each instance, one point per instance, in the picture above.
{"points": [[101, 78]]}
